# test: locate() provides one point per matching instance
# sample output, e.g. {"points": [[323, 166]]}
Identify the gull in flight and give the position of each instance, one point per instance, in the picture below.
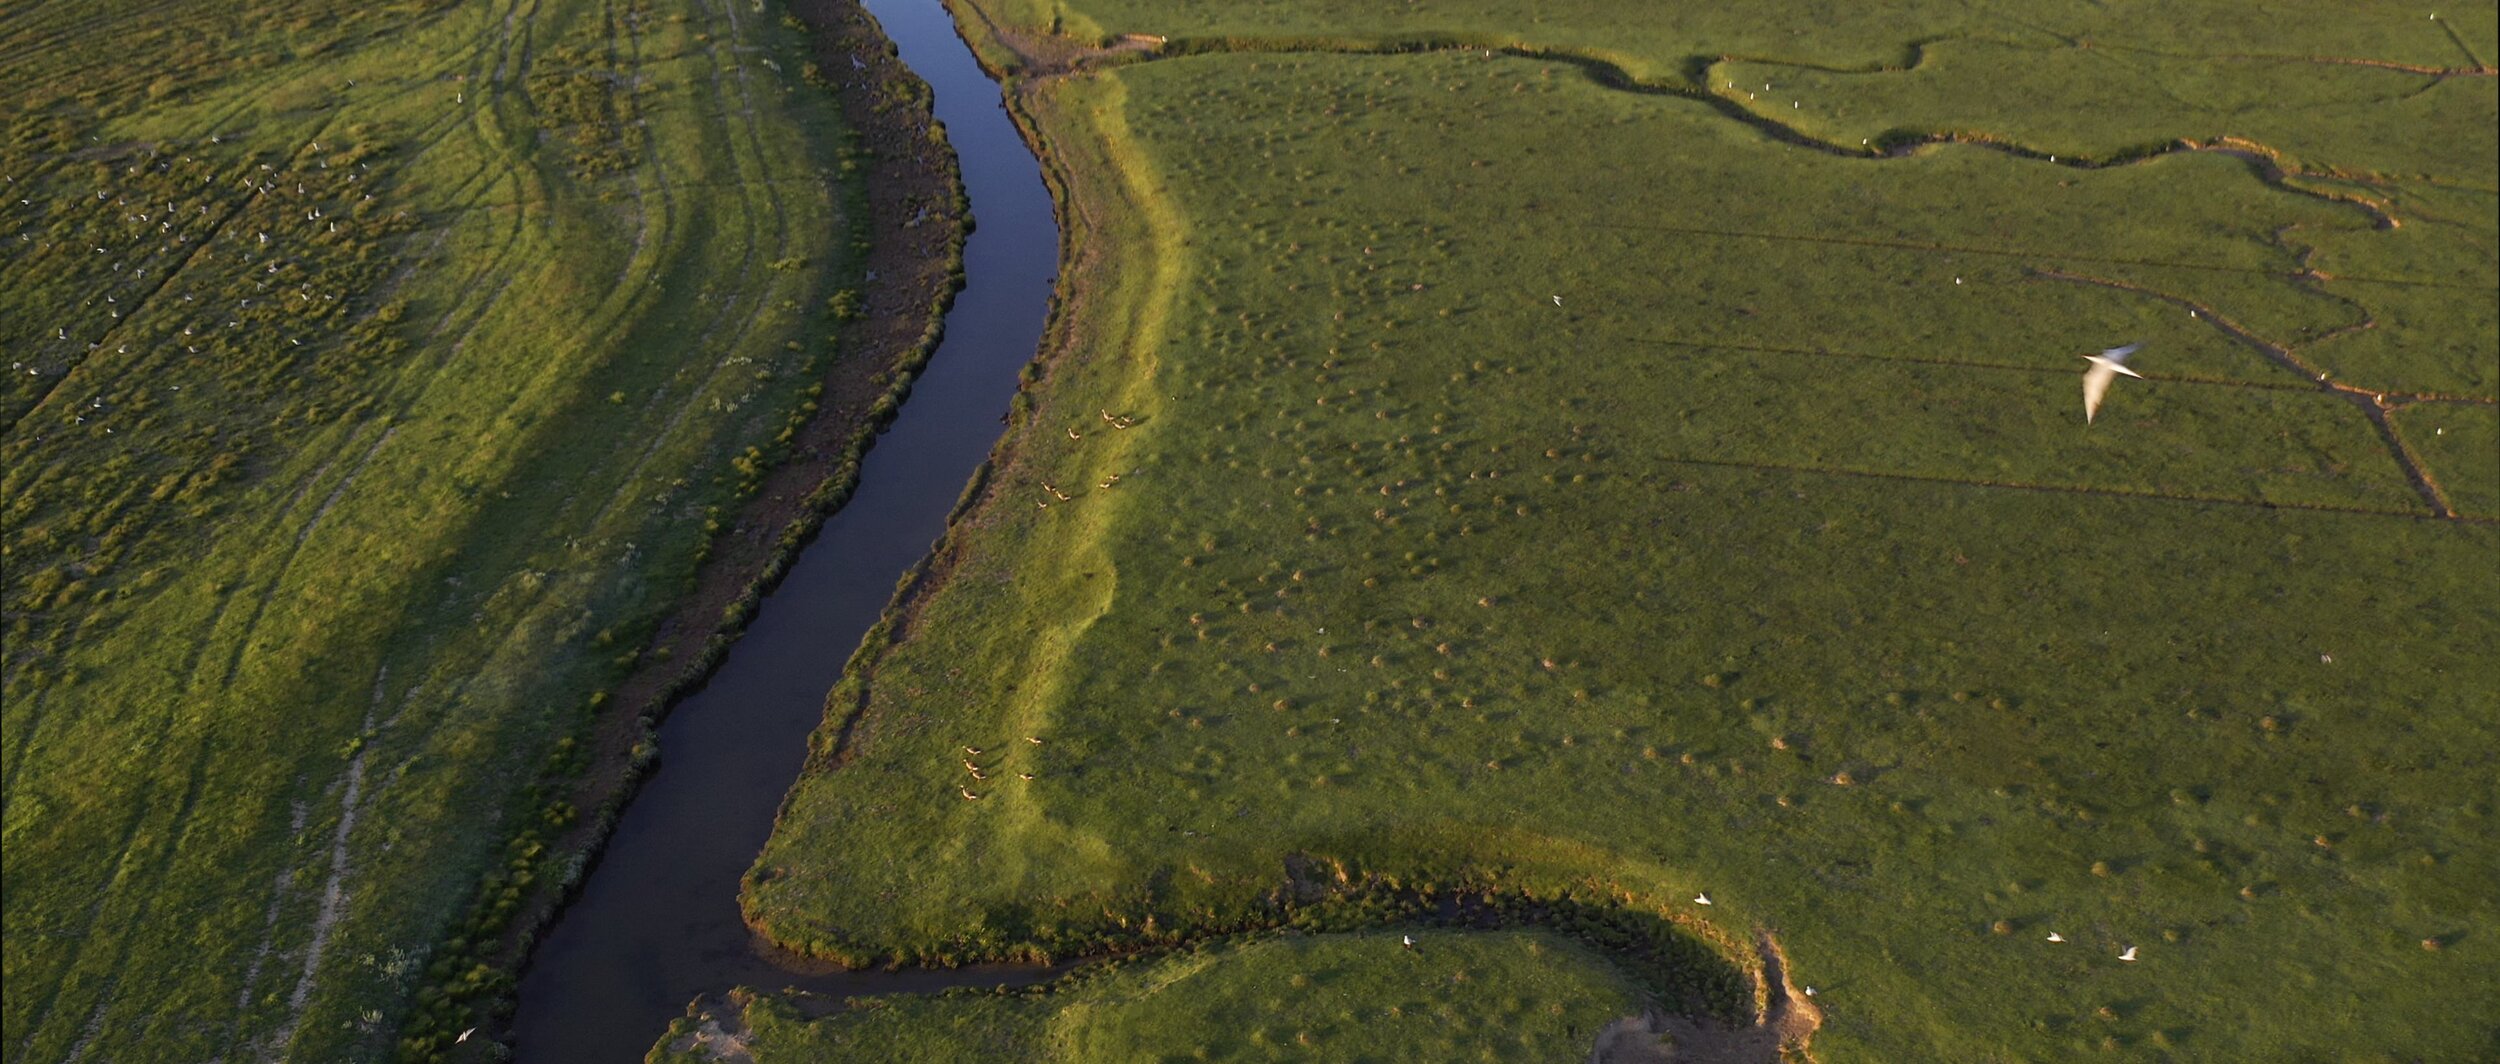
{"points": [[1701, 899], [2055, 937], [2106, 367], [2129, 955]]}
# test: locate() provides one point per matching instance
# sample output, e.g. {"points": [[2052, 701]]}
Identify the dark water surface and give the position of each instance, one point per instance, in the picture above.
{"points": [[657, 922]]}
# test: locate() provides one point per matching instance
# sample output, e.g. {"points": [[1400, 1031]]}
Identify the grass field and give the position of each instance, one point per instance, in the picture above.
{"points": [[1503, 995], [2355, 84], [1534, 487], [377, 374]]}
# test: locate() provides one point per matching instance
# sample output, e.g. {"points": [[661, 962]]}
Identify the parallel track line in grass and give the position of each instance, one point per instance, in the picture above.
{"points": [[2370, 402], [2006, 367], [2451, 30], [217, 227], [2075, 489], [216, 618], [62, 31], [125, 874], [139, 305], [2023, 254], [2478, 70], [741, 326], [242, 641], [174, 832], [333, 889], [579, 240], [15, 748], [143, 301], [295, 549], [193, 670], [268, 938], [794, 181]]}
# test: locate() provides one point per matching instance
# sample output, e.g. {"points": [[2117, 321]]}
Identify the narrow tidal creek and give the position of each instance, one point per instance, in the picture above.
{"points": [[657, 921]]}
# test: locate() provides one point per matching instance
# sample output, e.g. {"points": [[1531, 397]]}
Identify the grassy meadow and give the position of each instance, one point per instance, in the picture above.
{"points": [[376, 375], [1469, 477], [1492, 996]]}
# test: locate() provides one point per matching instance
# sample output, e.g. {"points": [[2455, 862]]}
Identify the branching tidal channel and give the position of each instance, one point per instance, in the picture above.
{"points": [[657, 922]]}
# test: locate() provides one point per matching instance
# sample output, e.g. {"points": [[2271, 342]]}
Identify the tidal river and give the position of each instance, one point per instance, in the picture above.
{"points": [[657, 921]]}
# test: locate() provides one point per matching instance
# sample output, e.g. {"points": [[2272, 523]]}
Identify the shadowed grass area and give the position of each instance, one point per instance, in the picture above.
{"points": [[1549, 489], [377, 375], [1497, 995]]}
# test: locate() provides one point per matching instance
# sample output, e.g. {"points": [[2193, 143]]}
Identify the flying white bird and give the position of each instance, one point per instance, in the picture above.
{"points": [[1407, 941], [2129, 955], [1701, 899], [2055, 937], [464, 1036], [2106, 367]]}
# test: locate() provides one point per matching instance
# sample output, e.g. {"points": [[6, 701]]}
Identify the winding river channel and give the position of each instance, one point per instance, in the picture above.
{"points": [[657, 922]]}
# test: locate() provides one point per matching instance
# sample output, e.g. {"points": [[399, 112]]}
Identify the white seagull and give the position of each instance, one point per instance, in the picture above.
{"points": [[2129, 955], [2055, 937], [1701, 899], [2106, 367], [1407, 941]]}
